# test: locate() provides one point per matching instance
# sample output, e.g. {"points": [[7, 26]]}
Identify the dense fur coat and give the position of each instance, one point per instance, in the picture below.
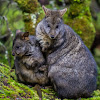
{"points": [[29, 60], [72, 68]]}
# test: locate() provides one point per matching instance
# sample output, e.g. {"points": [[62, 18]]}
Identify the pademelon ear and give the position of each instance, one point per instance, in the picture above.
{"points": [[25, 36], [46, 11], [62, 12]]}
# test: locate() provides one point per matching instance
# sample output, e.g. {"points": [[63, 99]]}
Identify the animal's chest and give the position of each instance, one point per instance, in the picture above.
{"points": [[26, 72], [28, 60]]}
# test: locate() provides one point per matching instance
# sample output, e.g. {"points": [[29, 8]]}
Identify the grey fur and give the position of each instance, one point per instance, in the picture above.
{"points": [[72, 68], [29, 60]]}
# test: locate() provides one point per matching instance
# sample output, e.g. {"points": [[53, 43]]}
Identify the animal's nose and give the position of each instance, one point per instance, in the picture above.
{"points": [[13, 53], [52, 36]]}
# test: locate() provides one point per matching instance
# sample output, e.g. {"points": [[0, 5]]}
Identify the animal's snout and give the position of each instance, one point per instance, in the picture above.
{"points": [[13, 53], [52, 36]]}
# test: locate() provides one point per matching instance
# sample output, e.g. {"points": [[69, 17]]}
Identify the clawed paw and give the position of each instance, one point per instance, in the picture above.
{"points": [[44, 45], [44, 49], [43, 68]]}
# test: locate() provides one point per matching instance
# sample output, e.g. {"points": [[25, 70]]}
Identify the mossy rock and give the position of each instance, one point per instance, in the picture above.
{"points": [[10, 89], [28, 6], [32, 14], [84, 29], [78, 17]]}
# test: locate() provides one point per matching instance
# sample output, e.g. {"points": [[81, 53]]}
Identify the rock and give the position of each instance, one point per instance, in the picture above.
{"points": [[79, 18]]}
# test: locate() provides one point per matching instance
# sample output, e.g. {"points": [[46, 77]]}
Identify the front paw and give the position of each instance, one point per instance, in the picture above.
{"points": [[45, 46], [43, 68], [44, 49]]}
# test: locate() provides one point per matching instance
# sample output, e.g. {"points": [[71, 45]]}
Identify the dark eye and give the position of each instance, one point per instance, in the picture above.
{"points": [[57, 26]]}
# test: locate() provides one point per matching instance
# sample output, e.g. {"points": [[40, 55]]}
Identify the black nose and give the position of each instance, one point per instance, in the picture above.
{"points": [[52, 37], [13, 54]]}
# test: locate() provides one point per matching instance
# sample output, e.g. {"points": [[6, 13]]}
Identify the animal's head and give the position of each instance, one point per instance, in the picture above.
{"points": [[20, 43], [53, 23]]}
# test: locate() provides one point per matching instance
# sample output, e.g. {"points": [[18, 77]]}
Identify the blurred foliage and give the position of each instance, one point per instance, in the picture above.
{"points": [[10, 20], [28, 6], [97, 58], [31, 13], [97, 22], [14, 16]]}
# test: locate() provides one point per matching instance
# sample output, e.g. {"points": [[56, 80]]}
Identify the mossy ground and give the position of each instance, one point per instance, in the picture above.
{"points": [[10, 89]]}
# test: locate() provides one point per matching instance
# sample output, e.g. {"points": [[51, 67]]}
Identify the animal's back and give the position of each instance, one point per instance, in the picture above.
{"points": [[72, 68]]}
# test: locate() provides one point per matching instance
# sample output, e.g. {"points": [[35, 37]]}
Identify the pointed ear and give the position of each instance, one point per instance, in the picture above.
{"points": [[46, 11], [62, 12], [18, 31], [25, 36]]}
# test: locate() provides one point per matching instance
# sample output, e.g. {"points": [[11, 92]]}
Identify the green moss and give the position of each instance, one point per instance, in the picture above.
{"points": [[97, 22], [10, 89], [14, 22], [28, 23], [79, 18], [83, 28], [32, 14], [28, 6], [31, 21]]}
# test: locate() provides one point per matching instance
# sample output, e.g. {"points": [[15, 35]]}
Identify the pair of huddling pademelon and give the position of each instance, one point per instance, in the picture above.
{"points": [[57, 54]]}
